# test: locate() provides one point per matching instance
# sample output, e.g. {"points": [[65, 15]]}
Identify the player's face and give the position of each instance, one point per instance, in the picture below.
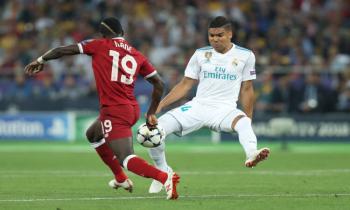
{"points": [[220, 39]]}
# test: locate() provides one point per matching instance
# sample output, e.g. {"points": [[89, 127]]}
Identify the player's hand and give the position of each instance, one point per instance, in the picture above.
{"points": [[33, 68], [151, 121]]}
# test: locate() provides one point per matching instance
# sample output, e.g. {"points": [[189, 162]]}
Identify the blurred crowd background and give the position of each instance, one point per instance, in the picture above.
{"points": [[302, 48]]}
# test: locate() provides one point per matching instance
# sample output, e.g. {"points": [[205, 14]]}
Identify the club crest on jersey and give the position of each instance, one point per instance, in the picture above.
{"points": [[235, 62], [208, 55]]}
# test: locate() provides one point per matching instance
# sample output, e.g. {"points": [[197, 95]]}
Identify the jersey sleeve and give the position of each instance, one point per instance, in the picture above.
{"points": [[249, 68], [192, 69], [147, 70], [89, 47]]}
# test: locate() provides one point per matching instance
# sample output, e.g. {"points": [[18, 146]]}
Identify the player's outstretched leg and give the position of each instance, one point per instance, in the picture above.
{"points": [[140, 167], [158, 156], [95, 136], [248, 140], [123, 150], [170, 125]]}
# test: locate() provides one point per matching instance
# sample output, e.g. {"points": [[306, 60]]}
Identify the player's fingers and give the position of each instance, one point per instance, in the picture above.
{"points": [[151, 121], [29, 70], [154, 120], [39, 68]]}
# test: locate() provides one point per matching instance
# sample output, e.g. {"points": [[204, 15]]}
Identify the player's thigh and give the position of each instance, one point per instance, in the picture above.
{"points": [[169, 123], [117, 121], [190, 117], [228, 122], [94, 132]]}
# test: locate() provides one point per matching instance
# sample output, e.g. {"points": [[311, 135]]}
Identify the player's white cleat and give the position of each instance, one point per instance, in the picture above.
{"points": [[257, 157], [170, 186], [156, 186], [127, 184]]}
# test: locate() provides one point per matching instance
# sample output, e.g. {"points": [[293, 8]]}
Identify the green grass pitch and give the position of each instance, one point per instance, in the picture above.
{"points": [[62, 176]]}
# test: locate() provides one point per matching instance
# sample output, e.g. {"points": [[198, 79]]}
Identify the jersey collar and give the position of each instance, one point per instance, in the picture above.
{"points": [[233, 47], [119, 37]]}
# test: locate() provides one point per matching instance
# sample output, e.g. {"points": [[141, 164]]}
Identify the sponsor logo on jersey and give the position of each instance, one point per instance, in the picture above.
{"points": [[219, 73], [252, 72]]}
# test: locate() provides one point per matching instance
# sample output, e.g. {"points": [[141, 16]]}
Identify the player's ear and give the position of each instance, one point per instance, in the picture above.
{"points": [[230, 34]]}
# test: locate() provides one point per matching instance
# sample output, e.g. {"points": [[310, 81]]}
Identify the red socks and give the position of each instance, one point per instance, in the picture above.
{"points": [[110, 160], [133, 163], [140, 167]]}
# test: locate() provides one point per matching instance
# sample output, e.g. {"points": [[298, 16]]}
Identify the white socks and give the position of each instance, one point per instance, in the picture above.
{"points": [[170, 125], [158, 156], [246, 136]]}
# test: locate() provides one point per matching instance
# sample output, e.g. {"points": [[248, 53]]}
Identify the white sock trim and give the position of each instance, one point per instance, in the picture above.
{"points": [[99, 143], [126, 160]]}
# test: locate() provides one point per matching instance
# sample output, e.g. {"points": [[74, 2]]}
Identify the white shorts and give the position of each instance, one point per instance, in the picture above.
{"points": [[194, 115]]}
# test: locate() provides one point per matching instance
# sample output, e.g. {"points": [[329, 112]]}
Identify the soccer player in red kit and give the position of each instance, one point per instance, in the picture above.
{"points": [[116, 65]]}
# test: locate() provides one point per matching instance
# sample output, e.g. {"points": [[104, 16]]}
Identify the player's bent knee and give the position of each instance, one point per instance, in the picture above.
{"points": [[94, 132], [92, 136], [243, 123], [234, 122]]}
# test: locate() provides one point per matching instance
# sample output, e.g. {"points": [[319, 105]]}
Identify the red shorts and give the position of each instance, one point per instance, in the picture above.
{"points": [[117, 120]]}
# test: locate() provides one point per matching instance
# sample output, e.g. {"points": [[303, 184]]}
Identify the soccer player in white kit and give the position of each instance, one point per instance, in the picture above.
{"points": [[224, 73]]}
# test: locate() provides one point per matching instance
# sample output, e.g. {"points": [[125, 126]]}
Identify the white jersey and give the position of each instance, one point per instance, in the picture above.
{"points": [[220, 75]]}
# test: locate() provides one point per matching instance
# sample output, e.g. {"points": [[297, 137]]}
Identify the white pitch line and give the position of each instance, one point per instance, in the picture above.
{"points": [[308, 195], [77, 173]]}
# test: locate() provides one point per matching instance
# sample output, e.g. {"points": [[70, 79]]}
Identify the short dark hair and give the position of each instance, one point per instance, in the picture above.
{"points": [[220, 22], [111, 27]]}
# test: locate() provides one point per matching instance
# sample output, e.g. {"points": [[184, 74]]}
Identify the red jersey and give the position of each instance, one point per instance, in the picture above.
{"points": [[116, 65]]}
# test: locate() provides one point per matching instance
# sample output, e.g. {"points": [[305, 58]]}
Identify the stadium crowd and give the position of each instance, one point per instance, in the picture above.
{"points": [[302, 47]]}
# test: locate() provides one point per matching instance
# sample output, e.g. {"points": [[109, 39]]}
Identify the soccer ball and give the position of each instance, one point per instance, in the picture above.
{"points": [[150, 138]]}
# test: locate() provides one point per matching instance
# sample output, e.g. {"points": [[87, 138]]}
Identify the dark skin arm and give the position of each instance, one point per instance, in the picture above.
{"points": [[35, 67], [247, 97], [158, 88]]}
